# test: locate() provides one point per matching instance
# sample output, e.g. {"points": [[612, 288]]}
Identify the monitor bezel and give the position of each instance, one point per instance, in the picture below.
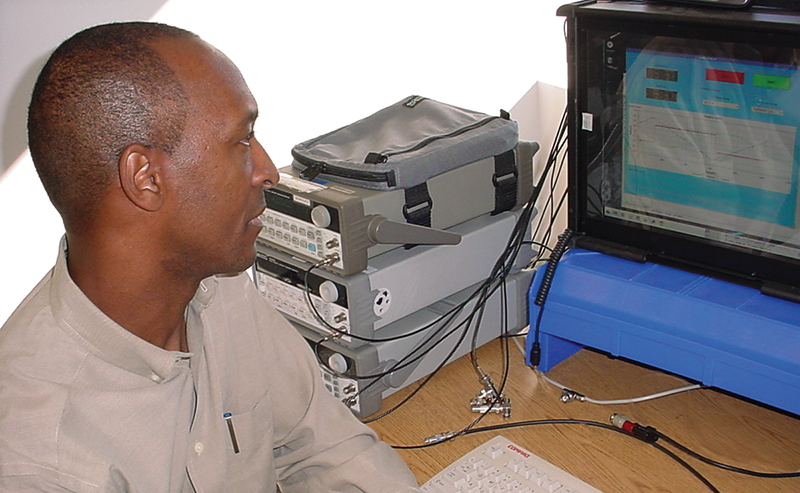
{"points": [[751, 267]]}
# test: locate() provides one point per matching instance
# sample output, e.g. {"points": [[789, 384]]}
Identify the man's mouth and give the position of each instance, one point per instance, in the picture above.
{"points": [[255, 220]]}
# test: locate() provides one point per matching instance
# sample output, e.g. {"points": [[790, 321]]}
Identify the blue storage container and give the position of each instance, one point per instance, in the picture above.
{"points": [[720, 334]]}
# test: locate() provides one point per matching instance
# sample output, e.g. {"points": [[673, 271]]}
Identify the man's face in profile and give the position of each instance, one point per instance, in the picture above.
{"points": [[220, 169]]}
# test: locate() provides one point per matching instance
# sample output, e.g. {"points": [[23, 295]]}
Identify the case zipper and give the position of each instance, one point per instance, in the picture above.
{"points": [[384, 157], [316, 168]]}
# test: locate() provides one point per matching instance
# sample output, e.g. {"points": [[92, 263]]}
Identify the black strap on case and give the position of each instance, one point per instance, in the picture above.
{"points": [[505, 182], [418, 206]]}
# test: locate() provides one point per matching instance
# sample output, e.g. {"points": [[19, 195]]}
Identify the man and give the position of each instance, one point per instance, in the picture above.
{"points": [[140, 363]]}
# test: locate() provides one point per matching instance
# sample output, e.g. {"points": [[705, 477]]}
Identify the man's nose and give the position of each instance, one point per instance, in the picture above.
{"points": [[265, 174]]}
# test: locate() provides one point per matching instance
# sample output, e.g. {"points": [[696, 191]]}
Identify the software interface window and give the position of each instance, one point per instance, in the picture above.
{"points": [[712, 148]]}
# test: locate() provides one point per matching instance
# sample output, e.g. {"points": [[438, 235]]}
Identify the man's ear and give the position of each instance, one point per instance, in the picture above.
{"points": [[141, 176]]}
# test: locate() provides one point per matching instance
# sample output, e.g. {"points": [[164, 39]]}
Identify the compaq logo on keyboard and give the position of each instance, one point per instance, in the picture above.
{"points": [[519, 451]]}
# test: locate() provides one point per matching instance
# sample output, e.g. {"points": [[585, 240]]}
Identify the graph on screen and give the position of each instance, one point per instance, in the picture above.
{"points": [[711, 140], [725, 149]]}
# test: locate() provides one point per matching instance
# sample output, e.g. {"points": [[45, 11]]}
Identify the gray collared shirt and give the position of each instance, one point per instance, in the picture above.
{"points": [[86, 406]]}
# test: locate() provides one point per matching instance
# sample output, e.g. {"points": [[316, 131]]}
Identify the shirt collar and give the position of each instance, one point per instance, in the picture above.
{"points": [[108, 340]]}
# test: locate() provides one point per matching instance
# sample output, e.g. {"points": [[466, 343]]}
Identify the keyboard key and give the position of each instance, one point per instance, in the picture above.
{"points": [[493, 452]]}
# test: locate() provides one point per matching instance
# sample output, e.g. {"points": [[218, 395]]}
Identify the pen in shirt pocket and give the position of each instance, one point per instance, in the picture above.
{"points": [[229, 420]]}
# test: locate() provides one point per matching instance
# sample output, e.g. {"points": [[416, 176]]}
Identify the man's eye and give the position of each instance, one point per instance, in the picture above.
{"points": [[246, 140]]}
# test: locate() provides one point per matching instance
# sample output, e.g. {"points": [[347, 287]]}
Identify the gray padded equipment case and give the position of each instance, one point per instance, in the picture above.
{"points": [[405, 144], [313, 220]]}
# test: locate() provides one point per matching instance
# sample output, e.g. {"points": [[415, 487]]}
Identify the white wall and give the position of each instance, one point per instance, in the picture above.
{"points": [[29, 227], [314, 66], [29, 30]]}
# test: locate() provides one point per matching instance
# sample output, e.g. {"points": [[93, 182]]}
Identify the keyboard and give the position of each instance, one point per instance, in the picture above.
{"points": [[500, 466]]}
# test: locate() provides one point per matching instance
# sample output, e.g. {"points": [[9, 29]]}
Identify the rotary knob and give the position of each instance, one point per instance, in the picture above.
{"points": [[337, 363], [328, 292], [320, 216]]}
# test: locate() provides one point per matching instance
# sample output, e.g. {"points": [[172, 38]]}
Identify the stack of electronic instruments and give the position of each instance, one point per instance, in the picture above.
{"points": [[383, 284]]}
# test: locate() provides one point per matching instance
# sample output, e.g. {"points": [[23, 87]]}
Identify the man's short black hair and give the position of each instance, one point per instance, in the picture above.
{"points": [[100, 91]]}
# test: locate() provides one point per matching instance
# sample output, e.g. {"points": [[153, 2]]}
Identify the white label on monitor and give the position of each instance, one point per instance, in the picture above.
{"points": [[586, 121]]}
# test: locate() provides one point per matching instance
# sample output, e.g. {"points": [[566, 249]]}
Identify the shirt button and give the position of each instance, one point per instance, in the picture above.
{"points": [[154, 377], [198, 447]]}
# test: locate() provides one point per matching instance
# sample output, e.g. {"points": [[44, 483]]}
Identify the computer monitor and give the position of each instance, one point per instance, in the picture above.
{"points": [[684, 144]]}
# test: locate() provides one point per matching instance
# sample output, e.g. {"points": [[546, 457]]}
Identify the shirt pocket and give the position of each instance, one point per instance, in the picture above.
{"points": [[251, 468], [251, 430]]}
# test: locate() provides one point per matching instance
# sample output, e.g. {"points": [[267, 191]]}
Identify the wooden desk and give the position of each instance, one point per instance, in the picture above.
{"points": [[720, 426]]}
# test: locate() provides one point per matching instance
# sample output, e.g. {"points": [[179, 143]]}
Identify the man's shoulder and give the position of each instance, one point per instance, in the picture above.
{"points": [[35, 305], [37, 362], [34, 344], [34, 395]]}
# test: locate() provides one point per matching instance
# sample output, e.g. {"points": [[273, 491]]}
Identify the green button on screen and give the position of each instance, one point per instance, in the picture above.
{"points": [[772, 81]]}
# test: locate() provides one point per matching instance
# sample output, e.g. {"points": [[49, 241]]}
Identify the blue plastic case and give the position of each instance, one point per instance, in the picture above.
{"points": [[718, 333]]}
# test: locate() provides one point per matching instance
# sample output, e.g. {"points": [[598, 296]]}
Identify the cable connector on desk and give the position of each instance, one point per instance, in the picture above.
{"points": [[487, 401], [568, 395], [646, 433], [439, 437], [536, 354]]}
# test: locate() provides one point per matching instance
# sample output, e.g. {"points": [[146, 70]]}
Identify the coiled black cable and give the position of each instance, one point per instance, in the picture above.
{"points": [[544, 289], [550, 270]]}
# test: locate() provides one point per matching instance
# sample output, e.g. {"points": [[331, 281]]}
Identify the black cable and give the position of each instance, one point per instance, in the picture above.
{"points": [[497, 278], [556, 150], [687, 466], [596, 424], [466, 323], [338, 332], [652, 435], [515, 244], [447, 317], [538, 244], [487, 290], [544, 289], [499, 273], [739, 470], [404, 363], [430, 337], [419, 387], [550, 270]]}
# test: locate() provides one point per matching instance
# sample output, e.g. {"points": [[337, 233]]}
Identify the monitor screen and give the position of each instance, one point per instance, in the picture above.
{"points": [[687, 147]]}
